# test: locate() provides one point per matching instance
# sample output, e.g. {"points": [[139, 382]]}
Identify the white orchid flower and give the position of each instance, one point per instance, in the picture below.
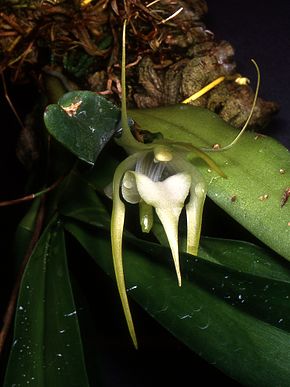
{"points": [[156, 176], [162, 179]]}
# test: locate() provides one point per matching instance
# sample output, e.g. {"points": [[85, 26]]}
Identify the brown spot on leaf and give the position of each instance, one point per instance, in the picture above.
{"points": [[234, 198], [285, 196], [72, 109]]}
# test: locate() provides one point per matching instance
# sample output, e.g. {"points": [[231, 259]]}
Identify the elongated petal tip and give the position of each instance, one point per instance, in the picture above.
{"points": [[168, 198], [117, 226], [169, 219]]}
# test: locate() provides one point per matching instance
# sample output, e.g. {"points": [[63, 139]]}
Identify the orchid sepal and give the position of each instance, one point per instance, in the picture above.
{"points": [[117, 228], [194, 210]]}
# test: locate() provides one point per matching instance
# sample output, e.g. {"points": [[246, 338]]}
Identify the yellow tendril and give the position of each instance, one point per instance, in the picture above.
{"points": [[204, 90]]}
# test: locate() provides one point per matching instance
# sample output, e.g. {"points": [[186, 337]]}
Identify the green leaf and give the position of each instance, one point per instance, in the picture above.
{"points": [[80, 201], [257, 169], [47, 348], [83, 122], [235, 320], [24, 233], [251, 259]]}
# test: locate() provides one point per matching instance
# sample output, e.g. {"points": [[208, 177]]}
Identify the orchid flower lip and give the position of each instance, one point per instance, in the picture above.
{"points": [[167, 197]]}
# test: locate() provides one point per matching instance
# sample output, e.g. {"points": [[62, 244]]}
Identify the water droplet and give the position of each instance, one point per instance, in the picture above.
{"points": [[266, 287], [203, 327], [92, 129], [70, 314], [131, 288], [82, 113], [185, 316]]}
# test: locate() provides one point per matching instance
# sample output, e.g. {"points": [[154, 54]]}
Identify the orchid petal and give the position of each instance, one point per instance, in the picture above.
{"points": [[129, 188], [168, 199], [117, 226], [194, 211], [194, 208]]}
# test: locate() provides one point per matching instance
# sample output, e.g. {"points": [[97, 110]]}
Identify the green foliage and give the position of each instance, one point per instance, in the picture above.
{"points": [[47, 347], [257, 169], [78, 63], [83, 122], [237, 320], [233, 306]]}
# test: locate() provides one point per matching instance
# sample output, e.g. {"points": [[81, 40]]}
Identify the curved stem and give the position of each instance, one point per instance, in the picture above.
{"points": [[31, 196], [127, 139], [236, 139]]}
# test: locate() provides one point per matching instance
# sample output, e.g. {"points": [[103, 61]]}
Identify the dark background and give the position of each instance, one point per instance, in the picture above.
{"points": [[256, 29], [260, 30]]}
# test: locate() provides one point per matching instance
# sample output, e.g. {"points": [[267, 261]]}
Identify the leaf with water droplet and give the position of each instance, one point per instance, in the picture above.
{"points": [[40, 354], [207, 312]]}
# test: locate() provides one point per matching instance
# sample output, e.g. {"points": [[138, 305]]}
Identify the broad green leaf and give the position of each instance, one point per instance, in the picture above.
{"points": [[24, 233], [83, 122], [46, 349], [235, 320], [257, 169], [252, 259]]}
